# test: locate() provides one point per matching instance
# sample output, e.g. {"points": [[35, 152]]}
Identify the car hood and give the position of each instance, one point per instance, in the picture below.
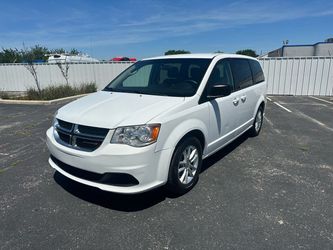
{"points": [[113, 109]]}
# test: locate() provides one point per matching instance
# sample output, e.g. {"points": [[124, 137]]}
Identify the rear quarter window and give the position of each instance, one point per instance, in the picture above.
{"points": [[258, 74]]}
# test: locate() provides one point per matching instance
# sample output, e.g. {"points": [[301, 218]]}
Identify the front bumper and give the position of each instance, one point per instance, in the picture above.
{"points": [[146, 165]]}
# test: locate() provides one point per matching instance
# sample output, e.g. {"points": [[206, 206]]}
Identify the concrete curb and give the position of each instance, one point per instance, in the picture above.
{"points": [[34, 102]]}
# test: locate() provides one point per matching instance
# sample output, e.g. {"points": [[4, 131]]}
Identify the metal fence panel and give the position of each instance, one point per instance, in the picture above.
{"points": [[285, 76], [16, 77], [299, 75]]}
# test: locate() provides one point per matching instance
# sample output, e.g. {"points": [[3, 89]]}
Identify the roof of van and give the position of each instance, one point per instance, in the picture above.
{"points": [[205, 55]]}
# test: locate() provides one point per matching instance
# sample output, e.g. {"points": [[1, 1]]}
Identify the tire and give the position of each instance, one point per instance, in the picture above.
{"points": [[184, 171], [257, 123]]}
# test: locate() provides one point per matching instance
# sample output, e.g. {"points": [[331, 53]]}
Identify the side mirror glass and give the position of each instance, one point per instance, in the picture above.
{"points": [[219, 90]]}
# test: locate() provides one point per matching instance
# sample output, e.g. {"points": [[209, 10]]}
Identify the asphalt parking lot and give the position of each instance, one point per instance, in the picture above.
{"points": [[273, 191]]}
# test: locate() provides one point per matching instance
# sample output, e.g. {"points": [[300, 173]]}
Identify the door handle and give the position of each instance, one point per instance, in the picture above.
{"points": [[236, 101], [243, 98]]}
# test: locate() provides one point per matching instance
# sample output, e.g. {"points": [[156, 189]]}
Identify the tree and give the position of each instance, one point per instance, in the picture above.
{"points": [[247, 52], [29, 57], [10, 56], [57, 51], [64, 68], [74, 51], [36, 53], [176, 52]]}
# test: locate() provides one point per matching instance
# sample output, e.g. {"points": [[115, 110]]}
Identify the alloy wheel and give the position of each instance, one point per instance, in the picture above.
{"points": [[188, 164]]}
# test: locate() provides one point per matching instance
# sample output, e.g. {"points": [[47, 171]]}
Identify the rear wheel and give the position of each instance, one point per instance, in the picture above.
{"points": [[257, 124], [185, 166]]}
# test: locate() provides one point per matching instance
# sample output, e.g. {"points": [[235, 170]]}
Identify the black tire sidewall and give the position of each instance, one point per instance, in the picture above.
{"points": [[253, 130], [174, 185]]}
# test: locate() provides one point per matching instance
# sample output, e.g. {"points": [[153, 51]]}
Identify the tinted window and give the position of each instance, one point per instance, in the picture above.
{"points": [[221, 75], [242, 73], [195, 72], [258, 75]]}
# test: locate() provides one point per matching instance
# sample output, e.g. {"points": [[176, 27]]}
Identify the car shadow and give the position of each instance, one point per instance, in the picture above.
{"points": [[219, 155], [115, 201], [134, 202]]}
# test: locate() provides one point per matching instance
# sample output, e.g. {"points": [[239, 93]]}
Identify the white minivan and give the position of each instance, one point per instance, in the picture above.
{"points": [[155, 123]]}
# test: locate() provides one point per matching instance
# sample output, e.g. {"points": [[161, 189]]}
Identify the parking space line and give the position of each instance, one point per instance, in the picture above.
{"points": [[272, 125], [306, 103], [319, 99], [278, 104], [269, 99], [314, 120], [269, 121]]}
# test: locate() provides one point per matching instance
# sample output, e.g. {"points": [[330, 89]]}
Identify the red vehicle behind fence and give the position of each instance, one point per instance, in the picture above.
{"points": [[123, 59]]}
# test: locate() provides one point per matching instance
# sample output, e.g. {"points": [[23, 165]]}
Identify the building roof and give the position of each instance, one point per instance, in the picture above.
{"points": [[280, 52], [305, 45]]}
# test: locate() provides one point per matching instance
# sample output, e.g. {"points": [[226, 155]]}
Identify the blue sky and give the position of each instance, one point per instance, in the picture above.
{"points": [[105, 29]]}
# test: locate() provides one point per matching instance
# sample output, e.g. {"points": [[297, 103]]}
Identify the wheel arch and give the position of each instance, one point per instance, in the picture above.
{"points": [[192, 127], [194, 133], [260, 103]]}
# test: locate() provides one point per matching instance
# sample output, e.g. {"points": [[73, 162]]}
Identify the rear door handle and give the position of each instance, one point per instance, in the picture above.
{"points": [[243, 98], [236, 101]]}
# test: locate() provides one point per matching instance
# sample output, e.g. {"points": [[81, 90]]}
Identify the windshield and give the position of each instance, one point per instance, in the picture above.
{"points": [[170, 77]]}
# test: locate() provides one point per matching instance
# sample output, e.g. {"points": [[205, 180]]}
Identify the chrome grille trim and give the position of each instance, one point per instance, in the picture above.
{"points": [[69, 135]]}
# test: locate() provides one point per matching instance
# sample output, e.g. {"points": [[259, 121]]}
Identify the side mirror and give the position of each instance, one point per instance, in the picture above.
{"points": [[219, 91]]}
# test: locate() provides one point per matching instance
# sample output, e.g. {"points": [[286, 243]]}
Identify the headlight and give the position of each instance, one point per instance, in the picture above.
{"points": [[136, 136]]}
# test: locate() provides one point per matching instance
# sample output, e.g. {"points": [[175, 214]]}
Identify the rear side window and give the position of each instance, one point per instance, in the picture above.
{"points": [[258, 75], [242, 73]]}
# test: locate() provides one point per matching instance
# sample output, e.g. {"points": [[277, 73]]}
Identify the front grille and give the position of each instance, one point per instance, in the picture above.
{"points": [[80, 137], [65, 125], [116, 179]]}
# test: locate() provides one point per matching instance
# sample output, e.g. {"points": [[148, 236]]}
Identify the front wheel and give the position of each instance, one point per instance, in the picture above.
{"points": [[185, 166], [257, 124]]}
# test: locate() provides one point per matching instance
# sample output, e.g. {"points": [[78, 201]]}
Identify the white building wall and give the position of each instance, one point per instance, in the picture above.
{"points": [[293, 51], [324, 49]]}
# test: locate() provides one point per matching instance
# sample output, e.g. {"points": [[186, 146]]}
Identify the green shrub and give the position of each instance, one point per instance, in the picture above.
{"points": [[4, 95], [60, 91]]}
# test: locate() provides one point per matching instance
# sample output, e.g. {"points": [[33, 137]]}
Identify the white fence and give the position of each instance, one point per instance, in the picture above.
{"points": [[285, 76], [16, 77], [299, 75]]}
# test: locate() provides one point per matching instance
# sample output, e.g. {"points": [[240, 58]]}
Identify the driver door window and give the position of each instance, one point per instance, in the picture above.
{"points": [[221, 75]]}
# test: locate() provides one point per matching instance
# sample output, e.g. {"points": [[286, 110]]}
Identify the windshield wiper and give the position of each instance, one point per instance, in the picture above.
{"points": [[123, 90], [137, 92], [108, 89]]}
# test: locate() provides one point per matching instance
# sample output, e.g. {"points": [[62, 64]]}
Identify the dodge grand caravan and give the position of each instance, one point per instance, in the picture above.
{"points": [[155, 123]]}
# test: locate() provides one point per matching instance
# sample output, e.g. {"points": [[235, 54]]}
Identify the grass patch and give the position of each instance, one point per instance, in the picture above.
{"points": [[4, 95], [60, 91], [52, 92]]}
